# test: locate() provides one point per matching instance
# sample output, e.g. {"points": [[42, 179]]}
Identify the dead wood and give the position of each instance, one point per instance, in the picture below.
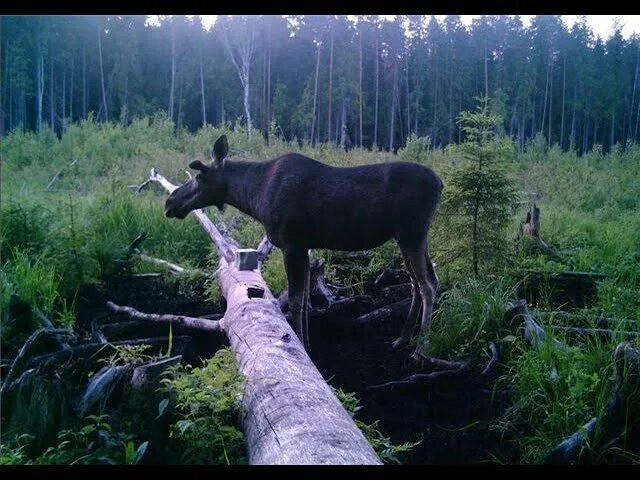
{"points": [[619, 418], [182, 320], [530, 228], [517, 316], [291, 415]]}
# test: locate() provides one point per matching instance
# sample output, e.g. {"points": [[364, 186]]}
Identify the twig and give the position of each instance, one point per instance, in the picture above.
{"points": [[172, 266], [138, 240], [492, 361], [55, 177], [419, 378], [182, 320]]}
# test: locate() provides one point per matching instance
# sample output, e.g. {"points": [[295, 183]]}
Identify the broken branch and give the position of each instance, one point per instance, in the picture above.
{"points": [[182, 320]]}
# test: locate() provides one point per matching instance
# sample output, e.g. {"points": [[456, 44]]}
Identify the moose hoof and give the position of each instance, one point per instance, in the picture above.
{"points": [[398, 343]]}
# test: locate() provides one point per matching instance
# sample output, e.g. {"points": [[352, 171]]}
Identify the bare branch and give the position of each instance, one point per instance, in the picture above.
{"points": [[419, 378], [172, 266], [183, 321], [492, 361], [55, 177]]}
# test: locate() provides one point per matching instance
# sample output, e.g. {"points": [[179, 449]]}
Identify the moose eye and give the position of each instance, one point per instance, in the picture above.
{"points": [[199, 176]]}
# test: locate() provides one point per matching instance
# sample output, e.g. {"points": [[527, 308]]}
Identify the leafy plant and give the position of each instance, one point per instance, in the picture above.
{"points": [[206, 405], [128, 355], [92, 443]]}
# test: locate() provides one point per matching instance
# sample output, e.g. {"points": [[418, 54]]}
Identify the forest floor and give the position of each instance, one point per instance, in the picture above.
{"points": [[448, 418]]}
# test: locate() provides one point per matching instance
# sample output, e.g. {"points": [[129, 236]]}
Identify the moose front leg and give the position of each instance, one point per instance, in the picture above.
{"points": [[296, 263]]}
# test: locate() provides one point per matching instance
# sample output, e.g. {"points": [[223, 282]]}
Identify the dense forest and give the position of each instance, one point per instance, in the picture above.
{"points": [[359, 80], [131, 338]]}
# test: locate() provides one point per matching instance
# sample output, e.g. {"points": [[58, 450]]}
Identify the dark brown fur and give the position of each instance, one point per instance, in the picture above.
{"points": [[305, 204]]}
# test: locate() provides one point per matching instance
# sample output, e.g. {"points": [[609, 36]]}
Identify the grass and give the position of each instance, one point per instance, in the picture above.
{"points": [[77, 230]]}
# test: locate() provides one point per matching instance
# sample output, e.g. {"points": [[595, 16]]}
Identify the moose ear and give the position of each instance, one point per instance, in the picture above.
{"points": [[198, 165], [219, 151]]}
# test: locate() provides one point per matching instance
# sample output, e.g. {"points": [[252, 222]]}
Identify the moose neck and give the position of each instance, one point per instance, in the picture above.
{"points": [[244, 181]]}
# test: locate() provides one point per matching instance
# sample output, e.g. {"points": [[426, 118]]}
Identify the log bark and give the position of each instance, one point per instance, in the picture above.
{"points": [[530, 228], [291, 415], [517, 315]]}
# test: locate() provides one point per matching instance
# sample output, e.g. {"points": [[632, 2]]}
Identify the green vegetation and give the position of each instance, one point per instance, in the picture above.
{"points": [[207, 401], [92, 443], [77, 232]]}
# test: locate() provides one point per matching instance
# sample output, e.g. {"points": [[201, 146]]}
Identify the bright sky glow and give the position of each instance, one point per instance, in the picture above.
{"points": [[602, 25]]}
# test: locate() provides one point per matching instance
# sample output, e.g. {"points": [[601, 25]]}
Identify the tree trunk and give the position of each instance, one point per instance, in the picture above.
{"points": [[315, 96], [71, 91], [635, 131], [51, 100], [375, 114], [360, 91], [450, 139], [394, 88], [180, 89], [39, 90], [486, 75], [572, 136], [343, 125], [204, 103], [268, 86], [550, 104], [544, 103], [408, 98], [613, 122], [84, 81], [5, 89], [633, 95], [64, 100], [104, 93], [435, 103], [330, 83], [291, 415], [243, 68], [173, 72], [564, 73], [222, 116]]}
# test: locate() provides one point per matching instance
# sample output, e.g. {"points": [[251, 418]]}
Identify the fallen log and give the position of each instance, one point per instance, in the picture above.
{"points": [[291, 415], [619, 418], [517, 316]]}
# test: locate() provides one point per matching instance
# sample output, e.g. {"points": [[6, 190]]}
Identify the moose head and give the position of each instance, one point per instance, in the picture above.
{"points": [[206, 188]]}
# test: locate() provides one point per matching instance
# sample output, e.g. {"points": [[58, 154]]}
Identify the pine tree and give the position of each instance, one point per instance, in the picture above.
{"points": [[479, 193]]}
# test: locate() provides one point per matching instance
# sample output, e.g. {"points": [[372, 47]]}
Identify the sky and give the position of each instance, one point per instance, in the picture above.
{"points": [[601, 25]]}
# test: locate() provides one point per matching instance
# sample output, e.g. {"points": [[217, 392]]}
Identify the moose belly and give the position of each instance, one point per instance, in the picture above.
{"points": [[341, 232]]}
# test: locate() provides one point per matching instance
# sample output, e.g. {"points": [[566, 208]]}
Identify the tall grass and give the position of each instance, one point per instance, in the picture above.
{"points": [[57, 234]]}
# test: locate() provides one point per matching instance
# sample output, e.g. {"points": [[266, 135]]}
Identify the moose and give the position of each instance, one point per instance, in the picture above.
{"points": [[305, 204]]}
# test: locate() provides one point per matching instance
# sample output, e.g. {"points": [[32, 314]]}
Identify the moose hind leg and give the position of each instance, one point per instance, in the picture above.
{"points": [[296, 262], [416, 302], [427, 281]]}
